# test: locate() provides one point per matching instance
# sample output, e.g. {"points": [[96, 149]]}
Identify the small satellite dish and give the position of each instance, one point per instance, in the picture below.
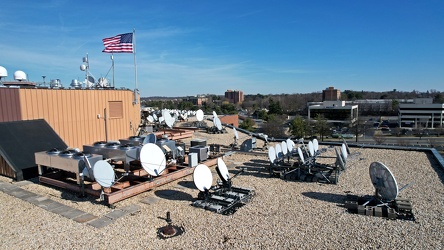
{"points": [[315, 145], [199, 115], [217, 123], [222, 169], [104, 174], [152, 159], [103, 82], [290, 145], [83, 67], [3, 72], [150, 118], [19, 75], [311, 148], [384, 182], [284, 148], [90, 81], [214, 114], [271, 154], [301, 155], [150, 138], [236, 135], [202, 177], [344, 151], [278, 151]]}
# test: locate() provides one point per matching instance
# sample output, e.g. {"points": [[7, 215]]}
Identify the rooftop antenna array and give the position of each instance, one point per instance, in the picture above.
{"points": [[385, 201], [223, 198], [217, 125]]}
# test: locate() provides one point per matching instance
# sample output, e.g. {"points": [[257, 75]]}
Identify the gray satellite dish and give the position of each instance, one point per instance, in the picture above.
{"points": [[222, 169], [271, 154], [104, 174], [152, 159], [199, 115], [217, 123], [202, 177], [384, 182]]}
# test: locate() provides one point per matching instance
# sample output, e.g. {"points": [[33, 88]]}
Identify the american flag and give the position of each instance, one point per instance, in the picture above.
{"points": [[122, 43]]}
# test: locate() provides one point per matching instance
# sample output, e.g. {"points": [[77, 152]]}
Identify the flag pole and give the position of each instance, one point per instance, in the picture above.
{"points": [[136, 90], [112, 59]]}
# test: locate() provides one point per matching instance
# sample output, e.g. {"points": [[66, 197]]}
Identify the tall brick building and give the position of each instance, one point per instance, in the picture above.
{"points": [[331, 94], [234, 96]]}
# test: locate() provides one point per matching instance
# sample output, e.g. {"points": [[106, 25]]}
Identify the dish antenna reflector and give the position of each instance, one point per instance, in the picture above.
{"points": [[386, 187], [103, 83], [199, 115], [3, 72], [222, 169], [104, 174], [217, 123], [202, 177], [152, 159]]}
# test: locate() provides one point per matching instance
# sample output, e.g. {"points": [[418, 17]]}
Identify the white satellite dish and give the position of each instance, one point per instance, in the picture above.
{"points": [[3, 72], [384, 182], [311, 148], [344, 152], [168, 119], [152, 159], [199, 115], [301, 155], [284, 148], [202, 177], [315, 145], [217, 123], [83, 67], [104, 174], [19, 75], [271, 154], [155, 117], [236, 135], [150, 138], [222, 169], [150, 118], [340, 160], [290, 145], [103, 82], [214, 114]]}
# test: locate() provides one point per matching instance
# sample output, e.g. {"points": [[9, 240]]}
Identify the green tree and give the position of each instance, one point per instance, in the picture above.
{"points": [[298, 127], [321, 126], [274, 107], [248, 124]]}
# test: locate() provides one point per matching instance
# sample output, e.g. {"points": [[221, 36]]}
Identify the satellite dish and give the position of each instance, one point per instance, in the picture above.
{"points": [[284, 148], [271, 154], [19, 75], [236, 135], [150, 118], [199, 115], [3, 72], [278, 151], [168, 119], [214, 114], [384, 182], [217, 123], [104, 174], [152, 159], [315, 145], [222, 169], [103, 82], [311, 148], [344, 152], [301, 155], [83, 67], [290, 145], [155, 117], [202, 177], [339, 159], [151, 138], [90, 81]]}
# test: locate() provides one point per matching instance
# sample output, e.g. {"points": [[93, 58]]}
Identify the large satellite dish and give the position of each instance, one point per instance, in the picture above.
{"points": [[271, 154], [222, 169], [202, 177], [104, 174], [199, 115], [384, 182], [152, 159]]}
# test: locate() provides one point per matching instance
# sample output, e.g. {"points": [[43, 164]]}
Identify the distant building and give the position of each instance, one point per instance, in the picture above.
{"points": [[234, 96], [421, 113], [331, 94], [334, 111], [197, 100]]}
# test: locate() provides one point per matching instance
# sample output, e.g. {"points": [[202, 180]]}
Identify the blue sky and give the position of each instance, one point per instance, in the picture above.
{"points": [[198, 47]]}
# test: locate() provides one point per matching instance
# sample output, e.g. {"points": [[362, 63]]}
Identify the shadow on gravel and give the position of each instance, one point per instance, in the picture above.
{"points": [[187, 184], [328, 197], [176, 195]]}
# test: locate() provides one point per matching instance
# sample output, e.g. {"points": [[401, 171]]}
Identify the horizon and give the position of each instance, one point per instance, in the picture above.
{"points": [[190, 48]]}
